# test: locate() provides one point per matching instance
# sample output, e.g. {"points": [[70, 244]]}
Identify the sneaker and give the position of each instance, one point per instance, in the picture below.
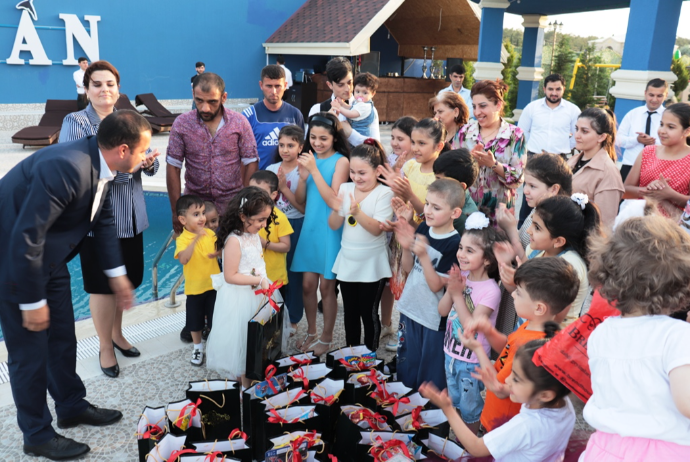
{"points": [[392, 344], [387, 330], [197, 357], [185, 335]]}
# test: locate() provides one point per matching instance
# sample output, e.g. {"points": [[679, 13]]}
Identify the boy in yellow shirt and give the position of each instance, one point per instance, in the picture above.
{"points": [[277, 244], [196, 250]]}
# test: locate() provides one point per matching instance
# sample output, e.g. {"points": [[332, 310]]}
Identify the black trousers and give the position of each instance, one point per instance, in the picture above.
{"points": [[361, 303], [44, 360], [625, 170], [82, 101]]}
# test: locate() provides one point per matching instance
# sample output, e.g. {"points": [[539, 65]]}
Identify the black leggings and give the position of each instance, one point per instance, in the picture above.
{"points": [[361, 302]]}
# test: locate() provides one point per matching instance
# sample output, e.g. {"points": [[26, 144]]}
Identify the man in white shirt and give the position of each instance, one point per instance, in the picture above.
{"points": [[78, 76], [339, 75], [639, 126], [549, 125], [457, 77], [288, 75]]}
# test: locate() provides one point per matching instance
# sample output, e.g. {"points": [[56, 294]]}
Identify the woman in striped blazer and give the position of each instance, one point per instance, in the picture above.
{"points": [[102, 85]]}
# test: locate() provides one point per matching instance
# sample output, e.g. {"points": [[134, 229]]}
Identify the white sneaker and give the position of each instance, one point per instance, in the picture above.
{"points": [[392, 344], [387, 330], [197, 357]]}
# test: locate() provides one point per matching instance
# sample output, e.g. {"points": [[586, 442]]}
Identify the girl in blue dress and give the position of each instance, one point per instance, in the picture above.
{"points": [[323, 168]]}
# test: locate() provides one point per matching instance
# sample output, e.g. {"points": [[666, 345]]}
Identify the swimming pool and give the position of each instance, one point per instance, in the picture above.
{"points": [[169, 269]]}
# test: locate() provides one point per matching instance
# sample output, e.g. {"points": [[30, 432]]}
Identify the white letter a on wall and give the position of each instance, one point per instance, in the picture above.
{"points": [[27, 40]]}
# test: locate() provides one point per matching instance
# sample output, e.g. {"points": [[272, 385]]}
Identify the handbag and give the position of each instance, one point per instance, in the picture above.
{"points": [[220, 406], [325, 396], [265, 333], [151, 428]]}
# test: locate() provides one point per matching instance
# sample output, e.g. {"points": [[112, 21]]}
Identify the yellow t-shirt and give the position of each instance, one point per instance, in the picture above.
{"points": [[199, 268], [419, 181], [276, 262]]}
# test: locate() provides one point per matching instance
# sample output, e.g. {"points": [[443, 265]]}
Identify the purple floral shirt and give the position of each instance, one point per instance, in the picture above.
{"points": [[508, 147], [212, 162]]}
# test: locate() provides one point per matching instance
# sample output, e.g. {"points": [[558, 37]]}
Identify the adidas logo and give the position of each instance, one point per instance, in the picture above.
{"points": [[272, 138]]}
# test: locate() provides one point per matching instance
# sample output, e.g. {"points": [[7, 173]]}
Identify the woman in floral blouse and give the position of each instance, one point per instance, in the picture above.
{"points": [[498, 146]]}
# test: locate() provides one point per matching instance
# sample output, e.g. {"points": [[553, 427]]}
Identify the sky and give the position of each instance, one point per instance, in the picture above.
{"points": [[600, 23]]}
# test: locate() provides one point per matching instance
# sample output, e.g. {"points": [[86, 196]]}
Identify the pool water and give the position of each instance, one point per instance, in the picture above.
{"points": [[169, 269]]}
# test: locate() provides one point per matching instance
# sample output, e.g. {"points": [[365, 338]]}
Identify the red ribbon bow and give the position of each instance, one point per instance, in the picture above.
{"points": [[300, 362], [374, 419], [396, 402], [356, 366], [381, 448], [309, 438], [175, 455], [213, 456], [332, 458], [237, 433], [297, 396], [152, 432], [328, 400], [270, 372], [299, 375], [192, 413], [277, 418], [416, 417], [269, 294]]}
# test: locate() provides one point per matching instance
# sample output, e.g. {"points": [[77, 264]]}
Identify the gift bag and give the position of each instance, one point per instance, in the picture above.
{"points": [[220, 406], [401, 406], [185, 419], [151, 428], [307, 376], [565, 355], [443, 448], [289, 363], [232, 448], [389, 393], [252, 397], [424, 422], [290, 419], [291, 397], [351, 422], [294, 447], [359, 387], [325, 396], [384, 446], [265, 334], [168, 446], [344, 361], [215, 456]]}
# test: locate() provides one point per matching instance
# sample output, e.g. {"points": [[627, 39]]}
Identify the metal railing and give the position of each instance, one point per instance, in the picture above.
{"points": [[172, 303]]}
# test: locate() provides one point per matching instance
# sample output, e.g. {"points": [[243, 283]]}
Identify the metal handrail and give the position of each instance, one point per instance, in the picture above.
{"points": [[157, 260], [172, 303]]}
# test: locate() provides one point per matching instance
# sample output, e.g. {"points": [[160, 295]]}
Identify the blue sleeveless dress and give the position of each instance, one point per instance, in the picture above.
{"points": [[318, 244]]}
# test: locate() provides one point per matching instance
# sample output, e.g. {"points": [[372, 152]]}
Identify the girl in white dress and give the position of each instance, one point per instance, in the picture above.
{"points": [[244, 271]]}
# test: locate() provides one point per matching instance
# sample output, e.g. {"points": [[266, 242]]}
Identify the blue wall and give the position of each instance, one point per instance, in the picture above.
{"points": [[154, 45]]}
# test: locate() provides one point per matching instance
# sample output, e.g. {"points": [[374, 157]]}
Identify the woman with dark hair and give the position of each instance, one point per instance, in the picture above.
{"points": [[498, 146], [594, 168], [451, 110], [323, 167], [102, 85]]}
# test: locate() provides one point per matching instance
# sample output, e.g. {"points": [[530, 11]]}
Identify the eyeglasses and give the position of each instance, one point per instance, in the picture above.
{"points": [[352, 221]]}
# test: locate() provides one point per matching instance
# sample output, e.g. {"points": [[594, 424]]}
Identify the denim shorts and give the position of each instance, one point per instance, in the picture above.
{"points": [[465, 391]]}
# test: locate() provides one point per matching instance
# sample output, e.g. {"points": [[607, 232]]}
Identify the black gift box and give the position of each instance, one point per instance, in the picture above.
{"points": [[220, 406]]}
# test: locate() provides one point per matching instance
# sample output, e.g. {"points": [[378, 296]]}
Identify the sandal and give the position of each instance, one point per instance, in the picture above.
{"points": [[304, 342], [329, 347]]}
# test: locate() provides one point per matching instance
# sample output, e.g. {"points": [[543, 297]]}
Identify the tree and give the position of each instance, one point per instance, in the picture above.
{"points": [[563, 61], [681, 72], [469, 75], [509, 74], [582, 93], [513, 36]]}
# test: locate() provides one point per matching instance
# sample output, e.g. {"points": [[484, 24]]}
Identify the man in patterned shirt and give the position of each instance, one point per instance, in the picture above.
{"points": [[217, 145]]}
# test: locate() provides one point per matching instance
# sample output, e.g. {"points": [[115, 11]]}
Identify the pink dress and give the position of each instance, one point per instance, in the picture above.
{"points": [[676, 172]]}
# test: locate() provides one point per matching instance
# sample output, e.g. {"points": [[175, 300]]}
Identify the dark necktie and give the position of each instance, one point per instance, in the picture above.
{"points": [[648, 127]]}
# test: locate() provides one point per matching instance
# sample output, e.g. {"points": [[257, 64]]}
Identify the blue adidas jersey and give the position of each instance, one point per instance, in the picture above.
{"points": [[267, 124]]}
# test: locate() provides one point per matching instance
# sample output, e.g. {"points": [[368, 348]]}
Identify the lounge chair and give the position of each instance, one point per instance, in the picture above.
{"points": [[154, 106], [159, 124], [47, 131]]}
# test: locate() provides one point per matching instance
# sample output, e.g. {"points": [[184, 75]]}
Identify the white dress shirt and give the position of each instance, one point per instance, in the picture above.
{"points": [[79, 80], [464, 94], [355, 138], [105, 176], [288, 77], [635, 122], [547, 129]]}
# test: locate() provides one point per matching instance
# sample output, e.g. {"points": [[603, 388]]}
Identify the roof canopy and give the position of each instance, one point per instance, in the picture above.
{"points": [[547, 7], [343, 27]]}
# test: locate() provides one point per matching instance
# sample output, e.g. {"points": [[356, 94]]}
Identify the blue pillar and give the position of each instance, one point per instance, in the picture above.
{"points": [[488, 65], [530, 72], [649, 41]]}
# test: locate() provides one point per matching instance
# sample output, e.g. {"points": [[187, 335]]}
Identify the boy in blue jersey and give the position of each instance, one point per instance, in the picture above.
{"points": [[271, 114]]}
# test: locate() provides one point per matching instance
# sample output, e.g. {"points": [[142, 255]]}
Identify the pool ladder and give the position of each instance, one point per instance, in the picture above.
{"points": [[172, 302]]}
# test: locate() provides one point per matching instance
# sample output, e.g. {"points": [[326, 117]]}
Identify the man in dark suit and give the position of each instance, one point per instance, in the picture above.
{"points": [[48, 203]]}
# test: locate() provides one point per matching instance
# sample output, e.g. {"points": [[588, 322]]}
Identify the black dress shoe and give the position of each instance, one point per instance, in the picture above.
{"points": [[93, 415], [185, 335], [112, 371], [131, 353], [59, 448]]}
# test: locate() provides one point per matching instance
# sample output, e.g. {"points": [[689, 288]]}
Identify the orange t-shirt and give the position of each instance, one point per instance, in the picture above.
{"points": [[499, 411]]}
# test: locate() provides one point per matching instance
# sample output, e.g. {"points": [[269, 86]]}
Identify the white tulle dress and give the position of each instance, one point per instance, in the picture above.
{"points": [[226, 349]]}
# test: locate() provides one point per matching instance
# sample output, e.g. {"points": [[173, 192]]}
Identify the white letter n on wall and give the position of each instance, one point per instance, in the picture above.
{"points": [[27, 40], [74, 30]]}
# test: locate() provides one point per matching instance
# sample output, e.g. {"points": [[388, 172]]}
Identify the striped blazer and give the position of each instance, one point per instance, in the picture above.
{"points": [[126, 191]]}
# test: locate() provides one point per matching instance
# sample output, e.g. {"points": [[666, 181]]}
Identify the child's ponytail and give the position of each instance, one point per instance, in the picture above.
{"points": [[541, 379]]}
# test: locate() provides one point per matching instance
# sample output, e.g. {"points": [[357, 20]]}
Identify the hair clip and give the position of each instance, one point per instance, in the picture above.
{"points": [[370, 141], [242, 202], [580, 199], [477, 220]]}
